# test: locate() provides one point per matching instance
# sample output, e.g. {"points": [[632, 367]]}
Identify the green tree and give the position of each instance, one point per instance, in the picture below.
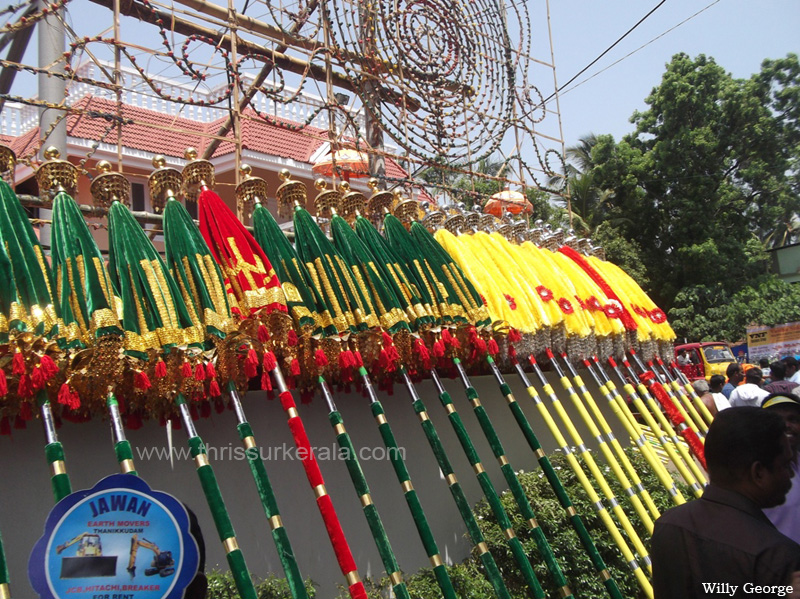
{"points": [[708, 174]]}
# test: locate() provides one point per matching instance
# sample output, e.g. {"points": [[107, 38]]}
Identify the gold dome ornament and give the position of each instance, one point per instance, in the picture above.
{"points": [[8, 164], [165, 182], [109, 187], [250, 190], [56, 175], [289, 194], [197, 173], [380, 202], [405, 210], [352, 203], [327, 200]]}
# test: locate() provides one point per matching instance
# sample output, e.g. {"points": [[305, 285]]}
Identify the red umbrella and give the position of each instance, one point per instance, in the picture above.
{"points": [[349, 164], [509, 201]]}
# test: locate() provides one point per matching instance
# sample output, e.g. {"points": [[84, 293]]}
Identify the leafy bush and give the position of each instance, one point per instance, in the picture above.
{"points": [[221, 586]]}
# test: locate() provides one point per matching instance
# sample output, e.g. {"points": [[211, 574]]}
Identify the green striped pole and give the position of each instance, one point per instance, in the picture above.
{"points": [[417, 513], [54, 451], [555, 484], [671, 450], [513, 482], [608, 434], [594, 469], [583, 479], [634, 432], [122, 447], [489, 491], [267, 496], [362, 490], [492, 571], [610, 458], [222, 521]]}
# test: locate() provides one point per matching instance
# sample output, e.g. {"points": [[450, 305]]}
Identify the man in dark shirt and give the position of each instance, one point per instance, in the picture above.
{"points": [[722, 544], [779, 383], [735, 376]]}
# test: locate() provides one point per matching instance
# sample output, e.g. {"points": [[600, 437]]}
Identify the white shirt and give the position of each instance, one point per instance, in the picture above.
{"points": [[747, 395], [720, 401], [795, 378]]}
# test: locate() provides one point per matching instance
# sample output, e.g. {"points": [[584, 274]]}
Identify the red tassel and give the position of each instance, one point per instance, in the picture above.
{"points": [[161, 369], [5, 426], [359, 363], [447, 338], [205, 409], [344, 361], [133, 421], [193, 412], [3, 384], [18, 364], [199, 373], [266, 381], [186, 370], [219, 406], [270, 362], [291, 338], [387, 339], [423, 353], [251, 364], [25, 411], [214, 390], [512, 352], [306, 396], [320, 358], [492, 347], [211, 372], [19, 423], [141, 381], [514, 335], [383, 359], [74, 400], [49, 367], [37, 378], [294, 368], [263, 333], [438, 349], [25, 388]]}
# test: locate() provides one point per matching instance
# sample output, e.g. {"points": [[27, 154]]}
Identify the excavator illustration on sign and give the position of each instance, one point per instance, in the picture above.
{"points": [[163, 564], [89, 561]]}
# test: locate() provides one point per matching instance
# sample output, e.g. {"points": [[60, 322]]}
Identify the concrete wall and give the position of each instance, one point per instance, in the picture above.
{"points": [[25, 495]]}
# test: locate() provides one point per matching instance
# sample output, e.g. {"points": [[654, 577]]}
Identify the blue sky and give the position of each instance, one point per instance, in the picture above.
{"points": [[739, 34]]}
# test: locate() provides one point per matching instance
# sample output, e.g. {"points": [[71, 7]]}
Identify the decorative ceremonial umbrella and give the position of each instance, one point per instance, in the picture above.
{"points": [[346, 163], [507, 201], [262, 296]]}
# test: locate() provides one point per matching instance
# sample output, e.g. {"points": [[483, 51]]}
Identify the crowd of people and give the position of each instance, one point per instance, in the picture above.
{"points": [[741, 538]]}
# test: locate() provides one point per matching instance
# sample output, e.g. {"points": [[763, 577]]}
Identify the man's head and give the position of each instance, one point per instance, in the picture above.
{"points": [[700, 386], [791, 366], [753, 376], [764, 362], [734, 373], [777, 370], [716, 383], [787, 406], [747, 451]]}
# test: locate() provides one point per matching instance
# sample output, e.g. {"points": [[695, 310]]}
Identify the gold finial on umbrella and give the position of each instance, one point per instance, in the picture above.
{"points": [[289, 194], [250, 190], [164, 182], [109, 187], [379, 202], [327, 200], [471, 221], [8, 164], [487, 222], [405, 210], [56, 175], [197, 173], [352, 203]]}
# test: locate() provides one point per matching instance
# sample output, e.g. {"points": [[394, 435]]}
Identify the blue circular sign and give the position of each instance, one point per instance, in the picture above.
{"points": [[118, 540]]}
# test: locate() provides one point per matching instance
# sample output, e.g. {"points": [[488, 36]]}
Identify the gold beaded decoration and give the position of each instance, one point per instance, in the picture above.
{"points": [[289, 194], [407, 211], [454, 223], [471, 221], [433, 220], [327, 200], [165, 182], [109, 187], [197, 173], [352, 203], [250, 190], [379, 202], [487, 222], [56, 175], [8, 163]]}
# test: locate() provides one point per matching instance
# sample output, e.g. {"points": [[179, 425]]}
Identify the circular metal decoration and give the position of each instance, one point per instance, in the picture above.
{"points": [[109, 186], [438, 75]]}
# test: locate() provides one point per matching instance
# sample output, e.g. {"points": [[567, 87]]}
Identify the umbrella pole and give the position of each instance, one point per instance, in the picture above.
{"points": [[671, 449], [488, 488], [54, 451], [686, 432], [5, 591], [362, 489], [556, 484], [122, 447], [609, 456], [620, 409], [267, 496], [222, 521], [341, 548], [403, 477], [492, 571], [682, 385]]}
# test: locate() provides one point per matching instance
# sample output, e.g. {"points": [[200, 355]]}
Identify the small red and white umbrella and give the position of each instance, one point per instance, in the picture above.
{"points": [[349, 164], [512, 202]]}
